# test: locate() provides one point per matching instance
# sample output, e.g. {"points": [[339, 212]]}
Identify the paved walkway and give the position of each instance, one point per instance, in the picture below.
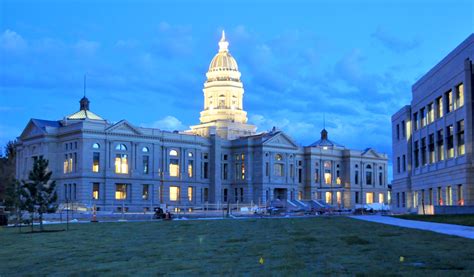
{"points": [[448, 229]]}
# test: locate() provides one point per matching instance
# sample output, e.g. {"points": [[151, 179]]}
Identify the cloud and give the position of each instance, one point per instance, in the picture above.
{"points": [[169, 123], [12, 41], [86, 47], [394, 43]]}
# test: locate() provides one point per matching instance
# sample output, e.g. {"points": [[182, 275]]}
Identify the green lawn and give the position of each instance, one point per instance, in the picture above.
{"points": [[325, 245], [460, 219]]}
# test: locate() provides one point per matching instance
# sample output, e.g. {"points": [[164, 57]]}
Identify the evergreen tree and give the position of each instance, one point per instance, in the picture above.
{"points": [[40, 190]]}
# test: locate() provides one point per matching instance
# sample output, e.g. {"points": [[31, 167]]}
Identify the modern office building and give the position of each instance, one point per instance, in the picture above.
{"points": [[433, 137], [221, 160]]}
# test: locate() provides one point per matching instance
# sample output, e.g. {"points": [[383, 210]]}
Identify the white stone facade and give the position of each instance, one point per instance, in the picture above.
{"points": [[120, 165], [433, 137]]}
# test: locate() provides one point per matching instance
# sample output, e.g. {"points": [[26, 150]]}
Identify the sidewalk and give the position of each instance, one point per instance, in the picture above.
{"points": [[447, 229]]}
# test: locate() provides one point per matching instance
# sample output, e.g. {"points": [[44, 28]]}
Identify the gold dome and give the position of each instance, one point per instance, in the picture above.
{"points": [[223, 61]]}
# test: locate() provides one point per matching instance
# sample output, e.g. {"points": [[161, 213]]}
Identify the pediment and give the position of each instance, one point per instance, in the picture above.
{"points": [[369, 152], [123, 127], [31, 130], [281, 140]]}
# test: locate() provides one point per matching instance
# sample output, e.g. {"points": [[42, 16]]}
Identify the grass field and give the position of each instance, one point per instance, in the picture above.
{"points": [[459, 219], [308, 246]]}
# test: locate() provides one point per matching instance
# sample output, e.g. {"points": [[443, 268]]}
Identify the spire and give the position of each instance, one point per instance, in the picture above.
{"points": [[84, 102], [324, 134], [223, 44]]}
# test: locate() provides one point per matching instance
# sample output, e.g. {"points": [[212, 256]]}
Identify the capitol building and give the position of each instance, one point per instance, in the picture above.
{"points": [[221, 160]]}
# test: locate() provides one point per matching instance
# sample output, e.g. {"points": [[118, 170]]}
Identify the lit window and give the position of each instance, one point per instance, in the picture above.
{"points": [[439, 104], [146, 162], [174, 167], [190, 168], [460, 96], [121, 164], [190, 194], [174, 193], [242, 171], [95, 191], [460, 138], [300, 195], [145, 191], [190, 154], [278, 157], [328, 197], [173, 153], [121, 147], [95, 161], [120, 191], [145, 150], [449, 196], [449, 101], [381, 198], [95, 146], [338, 180], [339, 198], [327, 173], [369, 197]]}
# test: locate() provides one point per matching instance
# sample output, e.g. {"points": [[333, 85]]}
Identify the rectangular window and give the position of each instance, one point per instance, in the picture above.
{"points": [[380, 179], [190, 194], [460, 196], [430, 112], [450, 141], [404, 130], [242, 169], [403, 200], [398, 200], [174, 167], [146, 161], [449, 102], [267, 169], [174, 193], [95, 191], [423, 151], [439, 142], [327, 177], [404, 163], [190, 168], [225, 195], [439, 105], [300, 175], [316, 175], [398, 131], [328, 197], [440, 197], [431, 148], [121, 164], [415, 121], [145, 191], [66, 165], [357, 197], [459, 96], [120, 191], [449, 196], [416, 153], [292, 170], [206, 194], [95, 161], [225, 170], [241, 195], [422, 117], [460, 138], [236, 194], [398, 164], [356, 177], [206, 170], [369, 197], [278, 168], [368, 177], [381, 198]]}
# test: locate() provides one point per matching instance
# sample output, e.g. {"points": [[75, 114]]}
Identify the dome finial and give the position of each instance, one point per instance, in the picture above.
{"points": [[223, 44]]}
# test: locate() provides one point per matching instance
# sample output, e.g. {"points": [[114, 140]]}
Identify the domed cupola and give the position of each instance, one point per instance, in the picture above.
{"points": [[223, 60], [223, 98]]}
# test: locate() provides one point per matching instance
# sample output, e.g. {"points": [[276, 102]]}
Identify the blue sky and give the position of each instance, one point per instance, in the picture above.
{"points": [[354, 61]]}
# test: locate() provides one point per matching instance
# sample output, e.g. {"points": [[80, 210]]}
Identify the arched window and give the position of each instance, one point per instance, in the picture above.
{"points": [[95, 146], [221, 101], [279, 168], [173, 153], [368, 166], [368, 175], [121, 147], [327, 172], [278, 157], [145, 150]]}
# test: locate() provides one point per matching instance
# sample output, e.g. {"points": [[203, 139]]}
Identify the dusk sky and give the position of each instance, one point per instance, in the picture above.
{"points": [[146, 61]]}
